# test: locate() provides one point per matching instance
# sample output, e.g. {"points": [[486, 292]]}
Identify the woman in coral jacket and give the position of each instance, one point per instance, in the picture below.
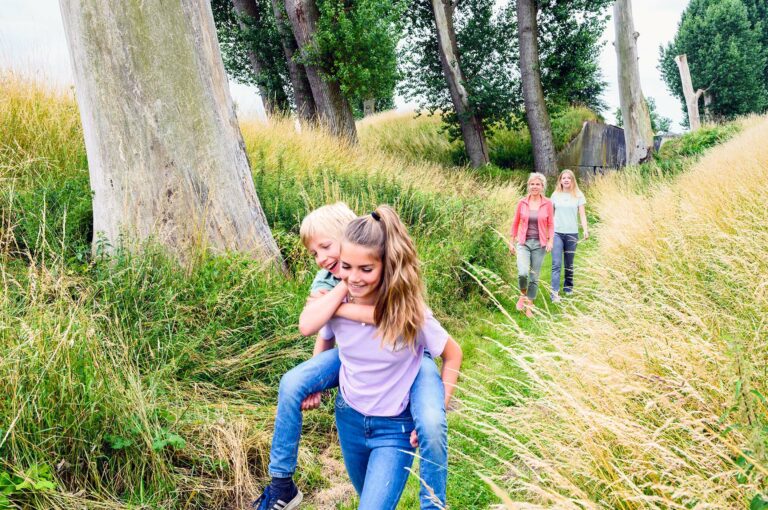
{"points": [[533, 231]]}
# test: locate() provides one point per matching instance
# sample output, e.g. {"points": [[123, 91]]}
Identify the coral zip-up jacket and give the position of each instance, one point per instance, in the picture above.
{"points": [[546, 220]]}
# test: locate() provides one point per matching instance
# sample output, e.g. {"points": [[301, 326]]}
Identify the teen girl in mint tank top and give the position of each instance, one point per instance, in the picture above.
{"points": [[379, 363], [569, 204]]}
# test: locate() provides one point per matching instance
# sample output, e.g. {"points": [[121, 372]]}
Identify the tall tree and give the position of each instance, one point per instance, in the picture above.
{"points": [[638, 134], [302, 91], [333, 108], [356, 44], [472, 129], [486, 36], [250, 47], [569, 37], [544, 158], [726, 54], [659, 124], [165, 155], [248, 15]]}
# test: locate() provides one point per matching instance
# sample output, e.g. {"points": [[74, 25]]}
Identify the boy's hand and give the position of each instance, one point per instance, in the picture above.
{"points": [[317, 294], [414, 439], [312, 401]]}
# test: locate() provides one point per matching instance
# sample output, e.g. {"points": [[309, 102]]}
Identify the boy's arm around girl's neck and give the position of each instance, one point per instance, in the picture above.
{"points": [[320, 309]]}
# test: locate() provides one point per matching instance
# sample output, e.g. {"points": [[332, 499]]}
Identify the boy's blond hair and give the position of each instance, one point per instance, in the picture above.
{"points": [[328, 220]]}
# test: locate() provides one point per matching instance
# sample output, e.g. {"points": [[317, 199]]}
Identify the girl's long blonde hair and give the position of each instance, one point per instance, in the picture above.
{"points": [[575, 191], [399, 309]]}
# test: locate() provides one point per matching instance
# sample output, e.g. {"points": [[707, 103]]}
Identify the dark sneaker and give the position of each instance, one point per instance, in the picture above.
{"points": [[272, 499]]}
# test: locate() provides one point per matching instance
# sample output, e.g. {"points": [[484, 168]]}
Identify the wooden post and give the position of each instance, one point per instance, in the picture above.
{"points": [[691, 97]]}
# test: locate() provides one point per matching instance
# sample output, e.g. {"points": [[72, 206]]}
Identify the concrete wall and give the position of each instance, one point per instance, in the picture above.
{"points": [[598, 148]]}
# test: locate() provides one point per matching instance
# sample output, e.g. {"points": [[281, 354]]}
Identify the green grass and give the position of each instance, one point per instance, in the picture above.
{"points": [[423, 138], [134, 382]]}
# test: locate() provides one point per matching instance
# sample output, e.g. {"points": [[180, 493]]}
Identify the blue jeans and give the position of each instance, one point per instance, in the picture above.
{"points": [[427, 405], [428, 411], [563, 247], [318, 373], [377, 453]]}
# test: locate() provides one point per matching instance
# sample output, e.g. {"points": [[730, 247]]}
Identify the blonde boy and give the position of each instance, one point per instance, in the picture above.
{"points": [[301, 387]]}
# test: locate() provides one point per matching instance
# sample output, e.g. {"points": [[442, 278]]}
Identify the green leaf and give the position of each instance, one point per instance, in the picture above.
{"points": [[6, 484], [44, 485], [118, 442], [754, 392], [176, 441], [758, 503], [168, 439], [4, 502], [23, 485]]}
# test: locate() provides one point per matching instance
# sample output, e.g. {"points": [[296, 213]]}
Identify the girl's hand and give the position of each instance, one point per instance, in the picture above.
{"points": [[549, 245], [414, 439], [312, 401], [585, 236], [512, 247]]}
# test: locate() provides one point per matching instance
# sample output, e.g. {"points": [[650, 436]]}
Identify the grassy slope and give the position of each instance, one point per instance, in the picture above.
{"points": [[650, 393], [150, 384], [422, 138], [111, 365]]}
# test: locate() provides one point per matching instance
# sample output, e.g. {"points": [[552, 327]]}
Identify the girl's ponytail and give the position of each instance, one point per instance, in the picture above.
{"points": [[399, 309]]}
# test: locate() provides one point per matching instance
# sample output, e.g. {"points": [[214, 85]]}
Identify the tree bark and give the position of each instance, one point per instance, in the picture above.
{"points": [[472, 130], [369, 107], [275, 101], [302, 92], [165, 154], [638, 132], [691, 97], [332, 107], [544, 158]]}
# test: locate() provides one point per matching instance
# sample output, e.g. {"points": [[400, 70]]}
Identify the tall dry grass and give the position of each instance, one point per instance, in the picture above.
{"points": [[650, 392]]}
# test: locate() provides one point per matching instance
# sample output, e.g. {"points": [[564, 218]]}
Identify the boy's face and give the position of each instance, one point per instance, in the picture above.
{"points": [[325, 250]]}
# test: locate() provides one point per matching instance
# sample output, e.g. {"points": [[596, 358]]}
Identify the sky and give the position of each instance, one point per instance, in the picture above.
{"points": [[32, 41]]}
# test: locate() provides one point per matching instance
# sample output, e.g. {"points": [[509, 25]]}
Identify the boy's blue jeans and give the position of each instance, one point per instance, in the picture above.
{"points": [[563, 247], [427, 405], [377, 454]]}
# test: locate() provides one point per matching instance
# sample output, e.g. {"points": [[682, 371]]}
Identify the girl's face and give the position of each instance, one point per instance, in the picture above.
{"points": [[535, 187], [566, 181], [325, 250], [361, 268]]}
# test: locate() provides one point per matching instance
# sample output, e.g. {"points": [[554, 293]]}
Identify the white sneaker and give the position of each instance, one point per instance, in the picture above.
{"points": [[555, 297]]}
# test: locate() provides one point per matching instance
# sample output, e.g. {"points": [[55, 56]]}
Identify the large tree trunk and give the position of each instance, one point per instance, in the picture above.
{"points": [[369, 107], [691, 97], [472, 130], [638, 132], [165, 154], [544, 158], [275, 101], [302, 92], [332, 107]]}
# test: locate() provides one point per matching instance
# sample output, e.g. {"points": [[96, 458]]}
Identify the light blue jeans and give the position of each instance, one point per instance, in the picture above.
{"points": [[529, 258], [377, 453], [427, 405]]}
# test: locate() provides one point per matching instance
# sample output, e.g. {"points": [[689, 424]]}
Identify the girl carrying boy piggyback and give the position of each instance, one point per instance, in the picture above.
{"points": [[368, 299]]}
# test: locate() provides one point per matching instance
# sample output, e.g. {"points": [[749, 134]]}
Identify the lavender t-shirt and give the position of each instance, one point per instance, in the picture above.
{"points": [[376, 380]]}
